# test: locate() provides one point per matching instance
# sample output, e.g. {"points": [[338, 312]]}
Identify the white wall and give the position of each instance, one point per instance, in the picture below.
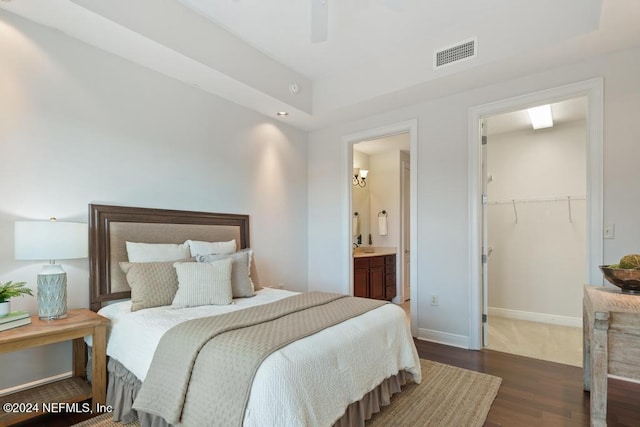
{"points": [[385, 195], [80, 126], [442, 185], [538, 264]]}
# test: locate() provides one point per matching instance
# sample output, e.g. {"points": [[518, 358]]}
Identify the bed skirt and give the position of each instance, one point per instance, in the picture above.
{"points": [[124, 386]]}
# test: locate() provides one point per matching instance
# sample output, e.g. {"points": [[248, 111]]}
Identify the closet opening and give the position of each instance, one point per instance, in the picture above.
{"points": [[479, 240], [536, 231]]}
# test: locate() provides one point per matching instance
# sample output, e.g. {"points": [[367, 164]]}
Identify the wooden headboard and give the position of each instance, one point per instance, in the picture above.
{"points": [[111, 226]]}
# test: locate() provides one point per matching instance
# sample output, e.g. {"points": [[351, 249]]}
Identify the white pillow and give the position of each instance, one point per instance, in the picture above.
{"points": [[199, 247], [156, 252], [203, 283]]}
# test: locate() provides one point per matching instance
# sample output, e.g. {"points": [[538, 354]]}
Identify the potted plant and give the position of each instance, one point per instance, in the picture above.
{"points": [[9, 290]]}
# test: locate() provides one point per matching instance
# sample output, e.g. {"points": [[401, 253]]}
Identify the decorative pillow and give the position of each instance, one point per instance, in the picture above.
{"points": [[203, 283], [153, 284], [199, 247], [252, 271], [241, 283], [155, 252]]}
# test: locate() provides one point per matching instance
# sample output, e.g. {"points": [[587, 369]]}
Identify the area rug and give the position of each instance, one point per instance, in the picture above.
{"points": [[447, 396]]}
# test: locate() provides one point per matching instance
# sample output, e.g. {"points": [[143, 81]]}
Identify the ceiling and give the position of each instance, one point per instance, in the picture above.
{"points": [[378, 55], [562, 112], [400, 142]]}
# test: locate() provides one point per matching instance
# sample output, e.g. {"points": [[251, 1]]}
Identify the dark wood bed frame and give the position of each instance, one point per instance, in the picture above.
{"points": [[102, 216]]}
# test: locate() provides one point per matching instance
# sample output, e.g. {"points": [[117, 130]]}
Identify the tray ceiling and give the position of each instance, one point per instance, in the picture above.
{"points": [[378, 54]]}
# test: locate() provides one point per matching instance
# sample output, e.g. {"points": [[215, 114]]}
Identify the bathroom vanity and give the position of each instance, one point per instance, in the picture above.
{"points": [[374, 273]]}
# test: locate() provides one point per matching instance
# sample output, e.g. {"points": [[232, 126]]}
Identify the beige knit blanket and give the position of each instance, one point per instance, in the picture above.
{"points": [[203, 369]]}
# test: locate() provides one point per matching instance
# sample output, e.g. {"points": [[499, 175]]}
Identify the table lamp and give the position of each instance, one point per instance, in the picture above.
{"points": [[52, 240]]}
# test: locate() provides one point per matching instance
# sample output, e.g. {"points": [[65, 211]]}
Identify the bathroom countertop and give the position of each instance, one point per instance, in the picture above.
{"points": [[363, 251]]}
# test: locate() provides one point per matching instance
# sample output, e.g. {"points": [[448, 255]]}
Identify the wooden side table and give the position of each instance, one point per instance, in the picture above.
{"points": [[53, 397], [611, 343]]}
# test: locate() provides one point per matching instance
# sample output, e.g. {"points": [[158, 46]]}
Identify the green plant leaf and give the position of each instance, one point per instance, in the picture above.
{"points": [[10, 289]]}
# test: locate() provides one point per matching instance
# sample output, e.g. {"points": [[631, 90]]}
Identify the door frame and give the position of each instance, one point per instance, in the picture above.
{"points": [[409, 126], [593, 90], [404, 165]]}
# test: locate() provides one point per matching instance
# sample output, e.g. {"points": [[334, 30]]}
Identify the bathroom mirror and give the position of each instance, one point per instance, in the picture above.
{"points": [[361, 221], [386, 161], [361, 201]]}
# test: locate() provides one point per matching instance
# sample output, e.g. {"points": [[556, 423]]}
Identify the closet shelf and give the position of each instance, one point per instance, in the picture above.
{"points": [[513, 202], [534, 200]]}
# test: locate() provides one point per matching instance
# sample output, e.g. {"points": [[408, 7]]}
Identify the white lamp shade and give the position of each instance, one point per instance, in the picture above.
{"points": [[50, 240]]}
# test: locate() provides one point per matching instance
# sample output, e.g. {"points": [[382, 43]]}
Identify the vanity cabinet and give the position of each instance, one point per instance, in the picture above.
{"points": [[375, 277], [390, 276]]}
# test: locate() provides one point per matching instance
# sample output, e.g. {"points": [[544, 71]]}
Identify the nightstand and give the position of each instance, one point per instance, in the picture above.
{"points": [[611, 343], [52, 397]]}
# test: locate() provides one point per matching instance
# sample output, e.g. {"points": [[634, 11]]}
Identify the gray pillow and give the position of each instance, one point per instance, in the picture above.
{"points": [[152, 284], [241, 283]]}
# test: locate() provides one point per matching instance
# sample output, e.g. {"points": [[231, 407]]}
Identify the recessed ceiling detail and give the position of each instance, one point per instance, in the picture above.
{"points": [[379, 54], [461, 51]]}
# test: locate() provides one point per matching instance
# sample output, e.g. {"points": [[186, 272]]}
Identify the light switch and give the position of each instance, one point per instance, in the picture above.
{"points": [[609, 231]]}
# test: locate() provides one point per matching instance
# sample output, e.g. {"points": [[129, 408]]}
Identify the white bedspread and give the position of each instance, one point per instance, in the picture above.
{"points": [[309, 382]]}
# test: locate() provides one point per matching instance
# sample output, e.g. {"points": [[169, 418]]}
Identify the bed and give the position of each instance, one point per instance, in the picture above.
{"points": [[339, 375]]}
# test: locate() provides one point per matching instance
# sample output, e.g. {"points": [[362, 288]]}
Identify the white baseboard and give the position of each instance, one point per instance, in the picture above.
{"points": [[453, 340], [36, 383], [553, 319]]}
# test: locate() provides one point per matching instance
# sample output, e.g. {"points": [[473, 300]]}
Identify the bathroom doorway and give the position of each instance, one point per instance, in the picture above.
{"points": [[378, 196], [381, 199]]}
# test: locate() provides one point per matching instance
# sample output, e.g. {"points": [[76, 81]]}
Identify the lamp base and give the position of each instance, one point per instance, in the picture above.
{"points": [[52, 293]]}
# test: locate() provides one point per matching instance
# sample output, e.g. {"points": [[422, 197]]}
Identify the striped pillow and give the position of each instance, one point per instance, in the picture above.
{"points": [[203, 283]]}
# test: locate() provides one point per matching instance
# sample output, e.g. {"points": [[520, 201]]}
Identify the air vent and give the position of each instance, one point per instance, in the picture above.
{"points": [[461, 51]]}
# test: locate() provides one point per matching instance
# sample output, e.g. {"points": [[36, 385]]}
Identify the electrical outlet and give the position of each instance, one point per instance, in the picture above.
{"points": [[435, 300]]}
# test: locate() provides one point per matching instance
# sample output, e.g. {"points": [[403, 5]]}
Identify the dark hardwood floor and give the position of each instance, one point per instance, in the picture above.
{"points": [[533, 392], [536, 392]]}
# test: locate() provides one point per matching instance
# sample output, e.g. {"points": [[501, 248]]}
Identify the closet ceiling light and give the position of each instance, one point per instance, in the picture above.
{"points": [[541, 117]]}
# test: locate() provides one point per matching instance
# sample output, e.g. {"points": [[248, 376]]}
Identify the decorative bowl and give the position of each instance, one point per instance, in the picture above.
{"points": [[627, 279]]}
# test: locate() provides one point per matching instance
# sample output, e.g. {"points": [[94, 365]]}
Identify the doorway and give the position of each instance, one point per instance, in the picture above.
{"points": [[384, 195], [409, 130], [479, 248], [535, 222]]}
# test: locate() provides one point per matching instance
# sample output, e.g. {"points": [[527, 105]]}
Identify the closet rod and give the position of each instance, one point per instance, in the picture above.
{"points": [[533, 200]]}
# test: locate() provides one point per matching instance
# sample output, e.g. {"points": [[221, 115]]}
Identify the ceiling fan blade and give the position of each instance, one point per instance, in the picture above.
{"points": [[319, 20]]}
